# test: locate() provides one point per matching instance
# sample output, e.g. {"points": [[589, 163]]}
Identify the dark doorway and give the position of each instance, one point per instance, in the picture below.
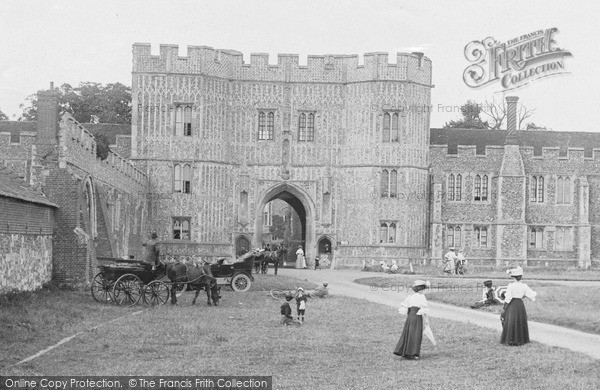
{"points": [[325, 252], [242, 245]]}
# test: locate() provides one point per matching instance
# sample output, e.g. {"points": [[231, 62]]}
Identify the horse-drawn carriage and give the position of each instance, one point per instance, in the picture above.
{"points": [[127, 282], [265, 257]]}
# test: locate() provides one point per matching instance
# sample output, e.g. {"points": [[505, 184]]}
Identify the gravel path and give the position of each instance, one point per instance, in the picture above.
{"points": [[341, 282]]}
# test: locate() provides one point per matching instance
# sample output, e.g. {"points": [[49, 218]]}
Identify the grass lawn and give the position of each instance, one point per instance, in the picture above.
{"points": [[344, 344], [572, 307]]}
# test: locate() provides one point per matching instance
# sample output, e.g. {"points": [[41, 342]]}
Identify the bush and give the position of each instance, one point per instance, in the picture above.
{"points": [[102, 145]]}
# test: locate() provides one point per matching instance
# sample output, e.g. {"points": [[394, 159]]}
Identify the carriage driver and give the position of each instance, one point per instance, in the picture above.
{"points": [[152, 250]]}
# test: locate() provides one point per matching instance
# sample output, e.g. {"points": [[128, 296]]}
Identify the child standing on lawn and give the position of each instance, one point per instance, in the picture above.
{"points": [[301, 298]]}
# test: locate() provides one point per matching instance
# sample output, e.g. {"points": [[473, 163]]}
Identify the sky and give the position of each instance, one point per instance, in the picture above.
{"points": [[77, 41]]}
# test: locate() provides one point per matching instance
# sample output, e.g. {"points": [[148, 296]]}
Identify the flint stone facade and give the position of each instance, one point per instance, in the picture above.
{"points": [[332, 181]]}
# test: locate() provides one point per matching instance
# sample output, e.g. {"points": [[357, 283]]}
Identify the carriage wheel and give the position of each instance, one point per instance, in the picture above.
{"points": [[128, 290], [156, 293], [240, 283], [101, 288]]}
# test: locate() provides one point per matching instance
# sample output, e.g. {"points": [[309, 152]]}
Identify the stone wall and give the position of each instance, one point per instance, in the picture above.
{"points": [[581, 214], [337, 173], [25, 261]]}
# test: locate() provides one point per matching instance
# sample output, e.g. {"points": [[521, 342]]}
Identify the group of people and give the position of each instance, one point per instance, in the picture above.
{"points": [[301, 298], [389, 268], [515, 330], [453, 259]]}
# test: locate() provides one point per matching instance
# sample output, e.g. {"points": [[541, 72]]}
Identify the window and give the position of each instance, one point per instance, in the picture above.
{"points": [[306, 127], [563, 190], [453, 236], [481, 188], [266, 125], [389, 183], [480, 235], [390, 127], [387, 232], [455, 187], [536, 189], [563, 238], [268, 215], [536, 237], [183, 119], [181, 228], [182, 178]]}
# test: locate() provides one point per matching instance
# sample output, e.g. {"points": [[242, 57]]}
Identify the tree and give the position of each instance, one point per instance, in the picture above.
{"points": [[497, 113], [3, 116], [88, 103], [471, 119], [102, 145]]}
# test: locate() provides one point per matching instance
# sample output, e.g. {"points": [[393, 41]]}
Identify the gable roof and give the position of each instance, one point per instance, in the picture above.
{"points": [[12, 186]]}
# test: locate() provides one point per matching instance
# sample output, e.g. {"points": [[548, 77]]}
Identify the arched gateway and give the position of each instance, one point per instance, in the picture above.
{"points": [[302, 204]]}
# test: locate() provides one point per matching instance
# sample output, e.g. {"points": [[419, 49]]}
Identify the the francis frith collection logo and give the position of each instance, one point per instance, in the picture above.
{"points": [[516, 62]]}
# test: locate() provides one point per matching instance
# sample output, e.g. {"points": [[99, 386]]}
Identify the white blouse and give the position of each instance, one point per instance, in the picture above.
{"points": [[418, 300], [519, 290]]}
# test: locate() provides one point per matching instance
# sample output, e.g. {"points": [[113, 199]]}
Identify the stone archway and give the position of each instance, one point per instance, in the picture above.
{"points": [[304, 206]]}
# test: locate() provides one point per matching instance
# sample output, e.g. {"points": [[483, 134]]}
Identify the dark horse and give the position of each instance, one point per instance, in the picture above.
{"points": [[198, 278], [262, 260]]}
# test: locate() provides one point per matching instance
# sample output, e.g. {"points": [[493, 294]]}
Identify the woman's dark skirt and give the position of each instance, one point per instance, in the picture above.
{"points": [[515, 330], [409, 344]]}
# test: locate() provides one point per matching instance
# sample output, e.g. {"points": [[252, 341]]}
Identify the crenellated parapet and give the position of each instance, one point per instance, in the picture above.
{"points": [[78, 146], [330, 68]]}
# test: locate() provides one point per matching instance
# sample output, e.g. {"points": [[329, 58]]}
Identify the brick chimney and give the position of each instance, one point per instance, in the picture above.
{"points": [[511, 120], [47, 116]]}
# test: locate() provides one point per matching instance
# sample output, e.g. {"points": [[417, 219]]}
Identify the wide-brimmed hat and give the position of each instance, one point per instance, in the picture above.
{"points": [[325, 283], [515, 271], [420, 282], [300, 289], [487, 283]]}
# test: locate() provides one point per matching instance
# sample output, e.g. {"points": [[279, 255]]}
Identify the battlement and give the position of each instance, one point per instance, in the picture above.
{"points": [[80, 144], [330, 68]]}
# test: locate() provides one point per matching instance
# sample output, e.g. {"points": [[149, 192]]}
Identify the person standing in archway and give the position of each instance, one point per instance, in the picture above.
{"points": [[300, 260]]}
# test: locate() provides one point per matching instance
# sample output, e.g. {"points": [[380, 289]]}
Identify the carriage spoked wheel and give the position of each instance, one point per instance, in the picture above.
{"points": [[101, 288], [241, 283], [264, 269], [156, 293], [128, 290]]}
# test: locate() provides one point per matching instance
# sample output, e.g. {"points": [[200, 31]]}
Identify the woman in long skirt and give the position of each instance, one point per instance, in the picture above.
{"points": [[515, 330], [300, 260], [415, 307]]}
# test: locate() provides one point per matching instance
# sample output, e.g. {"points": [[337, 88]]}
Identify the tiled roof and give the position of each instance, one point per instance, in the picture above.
{"points": [[13, 186], [15, 128], [535, 139], [110, 130]]}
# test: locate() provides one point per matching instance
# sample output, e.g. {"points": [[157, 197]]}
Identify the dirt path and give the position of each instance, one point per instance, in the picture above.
{"points": [[341, 282]]}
